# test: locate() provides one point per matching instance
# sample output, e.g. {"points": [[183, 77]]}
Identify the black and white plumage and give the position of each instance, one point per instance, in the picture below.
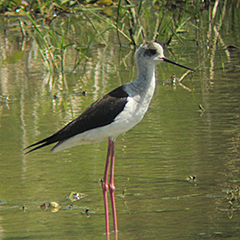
{"points": [[116, 112], [112, 115], [82, 129]]}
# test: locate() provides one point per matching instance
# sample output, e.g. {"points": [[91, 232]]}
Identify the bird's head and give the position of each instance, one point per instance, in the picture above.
{"points": [[153, 53], [150, 52]]}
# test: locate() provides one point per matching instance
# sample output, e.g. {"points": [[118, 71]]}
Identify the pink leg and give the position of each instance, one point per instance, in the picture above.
{"points": [[105, 188], [111, 189]]}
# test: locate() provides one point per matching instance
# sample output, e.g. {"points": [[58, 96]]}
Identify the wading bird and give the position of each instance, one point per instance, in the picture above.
{"points": [[112, 115]]}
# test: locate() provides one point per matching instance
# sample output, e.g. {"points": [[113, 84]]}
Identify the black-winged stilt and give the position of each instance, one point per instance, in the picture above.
{"points": [[113, 114]]}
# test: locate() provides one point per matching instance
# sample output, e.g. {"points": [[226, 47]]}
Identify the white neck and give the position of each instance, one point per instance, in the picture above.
{"points": [[142, 89], [146, 76], [145, 83]]}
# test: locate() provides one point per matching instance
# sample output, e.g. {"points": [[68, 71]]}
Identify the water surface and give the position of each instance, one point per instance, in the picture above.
{"points": [[154, 160]]}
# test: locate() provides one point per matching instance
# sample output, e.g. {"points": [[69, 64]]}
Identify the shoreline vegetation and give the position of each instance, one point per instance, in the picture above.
{"points": [[61, 27]]}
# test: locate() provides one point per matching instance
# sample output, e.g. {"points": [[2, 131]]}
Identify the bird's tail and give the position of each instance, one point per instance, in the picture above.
{"points": [[45, 142]]}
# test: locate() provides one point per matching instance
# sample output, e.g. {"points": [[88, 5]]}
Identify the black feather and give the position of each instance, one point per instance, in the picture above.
{"points": [[101, 113]]}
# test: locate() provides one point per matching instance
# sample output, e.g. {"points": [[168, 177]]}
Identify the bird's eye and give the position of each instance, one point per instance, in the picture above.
{"points": [[150, 52]]}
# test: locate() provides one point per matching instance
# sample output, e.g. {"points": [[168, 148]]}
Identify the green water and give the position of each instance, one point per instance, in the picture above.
{"points": [[153, 160]]}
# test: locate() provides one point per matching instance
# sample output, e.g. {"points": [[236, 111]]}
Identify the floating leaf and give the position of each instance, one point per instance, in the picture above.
{"points": [[74, 196]]}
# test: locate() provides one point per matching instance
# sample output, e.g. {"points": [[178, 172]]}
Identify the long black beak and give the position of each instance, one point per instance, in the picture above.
{"points": [[169, 61]]}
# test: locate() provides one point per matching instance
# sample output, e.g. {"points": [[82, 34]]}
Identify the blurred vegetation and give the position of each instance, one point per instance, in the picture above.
{"points": [[55, 25]]}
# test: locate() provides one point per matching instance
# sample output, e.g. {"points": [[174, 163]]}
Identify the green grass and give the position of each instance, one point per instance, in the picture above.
{"points": [[55, 24]]}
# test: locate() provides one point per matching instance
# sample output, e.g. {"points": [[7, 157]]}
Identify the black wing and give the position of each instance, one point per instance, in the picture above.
{"points": [[101, 113]]}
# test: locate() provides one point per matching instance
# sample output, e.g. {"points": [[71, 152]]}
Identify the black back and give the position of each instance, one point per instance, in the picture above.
{"points": [[101, 113]]}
